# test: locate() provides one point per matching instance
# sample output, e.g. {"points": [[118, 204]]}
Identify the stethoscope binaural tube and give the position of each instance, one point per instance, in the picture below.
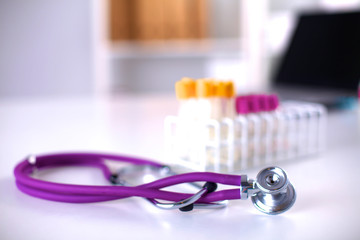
{"points": [[84, 194], [207, 196]]}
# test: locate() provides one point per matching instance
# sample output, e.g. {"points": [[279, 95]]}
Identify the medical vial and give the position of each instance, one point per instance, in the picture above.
{"points": [[185, 93], [225, 93], [267, 122], [248, 107], [241, 129]]}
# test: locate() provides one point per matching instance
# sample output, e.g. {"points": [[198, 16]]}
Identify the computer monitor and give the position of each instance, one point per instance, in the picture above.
{"points": [[324, 52]]}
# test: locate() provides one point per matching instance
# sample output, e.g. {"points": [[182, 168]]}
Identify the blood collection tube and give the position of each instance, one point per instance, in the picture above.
{"points": [[268, 105], [266, 125], [255, 129], [185, 93], [224, 93], [248, 106], [241, 129], [207, 114], [225, 106], [278, 125], [205, 99], [285, 129]]}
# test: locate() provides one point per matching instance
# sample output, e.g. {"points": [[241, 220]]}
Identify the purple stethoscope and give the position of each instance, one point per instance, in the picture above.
{"points": [[271, 192]]}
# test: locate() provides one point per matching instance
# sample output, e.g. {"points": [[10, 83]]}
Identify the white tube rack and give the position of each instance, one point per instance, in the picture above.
{"points": [[294, 130]]}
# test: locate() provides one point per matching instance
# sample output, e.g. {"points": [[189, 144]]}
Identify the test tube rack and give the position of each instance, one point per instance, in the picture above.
{"points": [[294, 130]]}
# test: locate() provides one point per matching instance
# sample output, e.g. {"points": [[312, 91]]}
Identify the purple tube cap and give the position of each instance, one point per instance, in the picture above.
{"points": [[254, 103], [273, 102], [264, 103], [242, 105]]}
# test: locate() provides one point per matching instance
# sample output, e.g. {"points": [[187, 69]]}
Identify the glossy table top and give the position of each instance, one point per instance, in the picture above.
{"points": [[326, 185]]}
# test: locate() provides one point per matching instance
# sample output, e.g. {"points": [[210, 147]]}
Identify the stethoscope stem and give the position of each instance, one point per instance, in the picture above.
{"points": [[189, 203], [183, 205]]}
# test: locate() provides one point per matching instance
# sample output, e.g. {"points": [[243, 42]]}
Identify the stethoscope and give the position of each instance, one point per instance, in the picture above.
{"points": [[271, 192]]}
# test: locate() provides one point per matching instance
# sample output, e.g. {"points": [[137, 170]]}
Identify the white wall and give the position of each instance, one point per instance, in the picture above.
{"points": [[154, 74], [224, 18], [45, 48]]}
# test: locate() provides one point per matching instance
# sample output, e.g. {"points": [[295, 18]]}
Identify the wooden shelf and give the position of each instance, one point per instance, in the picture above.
{"points": [[157, 19]]}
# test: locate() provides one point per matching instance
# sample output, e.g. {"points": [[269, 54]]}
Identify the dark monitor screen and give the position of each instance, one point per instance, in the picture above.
{"points": [[324, 52]]}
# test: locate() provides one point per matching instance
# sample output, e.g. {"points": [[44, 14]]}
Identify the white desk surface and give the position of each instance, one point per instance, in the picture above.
{"points": [[326, 185]]}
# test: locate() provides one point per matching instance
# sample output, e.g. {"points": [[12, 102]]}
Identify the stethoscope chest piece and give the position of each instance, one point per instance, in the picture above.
{"points": [[276, 194]]}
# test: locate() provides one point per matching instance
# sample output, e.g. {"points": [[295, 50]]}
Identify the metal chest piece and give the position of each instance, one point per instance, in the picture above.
{"points": [[275, 193]]}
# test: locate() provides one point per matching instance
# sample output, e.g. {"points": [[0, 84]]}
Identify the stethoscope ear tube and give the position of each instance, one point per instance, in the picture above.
{"points": [[84, 194]]}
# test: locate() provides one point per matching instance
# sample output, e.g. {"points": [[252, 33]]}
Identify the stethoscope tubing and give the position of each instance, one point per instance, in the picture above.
{"points": [[87, 194]]}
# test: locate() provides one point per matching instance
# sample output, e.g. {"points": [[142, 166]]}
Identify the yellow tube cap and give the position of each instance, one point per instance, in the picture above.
{"points": [[229, 89], [185, 88], [225, 89], [205, 88]]}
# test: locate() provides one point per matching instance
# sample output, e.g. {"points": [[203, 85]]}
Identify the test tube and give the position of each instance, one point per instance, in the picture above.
{"points": [[281, 128], [225, 93], [248, 107], [207, 117], [185, 93], [267, 120], [288, 131], [241, 129], [205, 97], [225, 96], [255, 127]]}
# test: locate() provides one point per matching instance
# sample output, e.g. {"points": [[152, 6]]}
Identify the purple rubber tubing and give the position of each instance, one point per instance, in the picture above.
{"points": [[86, 194]]}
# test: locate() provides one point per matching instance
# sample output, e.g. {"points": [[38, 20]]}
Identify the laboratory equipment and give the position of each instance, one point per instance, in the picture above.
{"points": [[260, 131]]}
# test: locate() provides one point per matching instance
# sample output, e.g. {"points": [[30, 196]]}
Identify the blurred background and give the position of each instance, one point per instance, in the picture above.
{"points": [[97, 48]]}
